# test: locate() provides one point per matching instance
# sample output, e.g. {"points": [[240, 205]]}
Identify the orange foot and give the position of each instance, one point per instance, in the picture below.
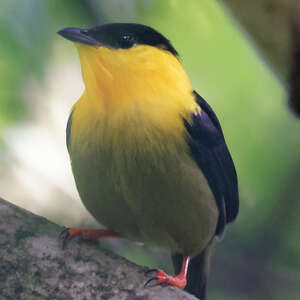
{"points": [[163, 278], [87, 234]]}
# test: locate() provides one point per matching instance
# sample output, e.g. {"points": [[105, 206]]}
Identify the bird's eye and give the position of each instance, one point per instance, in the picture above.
{"points": [[126, 41]]}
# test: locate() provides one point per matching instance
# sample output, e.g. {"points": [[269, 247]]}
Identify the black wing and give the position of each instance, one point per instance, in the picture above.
{"points": [[68, 131], [209, 149]]}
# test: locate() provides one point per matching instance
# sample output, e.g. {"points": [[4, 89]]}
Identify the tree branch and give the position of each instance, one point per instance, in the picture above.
{"points": [[33, 265]]}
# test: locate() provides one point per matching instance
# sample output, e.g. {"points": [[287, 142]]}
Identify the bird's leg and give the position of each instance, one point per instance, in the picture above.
{"points": [[178, 281], [87, 234]]}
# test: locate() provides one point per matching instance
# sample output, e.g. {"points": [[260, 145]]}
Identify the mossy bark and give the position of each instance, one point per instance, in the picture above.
{"points": [[33, 265]]}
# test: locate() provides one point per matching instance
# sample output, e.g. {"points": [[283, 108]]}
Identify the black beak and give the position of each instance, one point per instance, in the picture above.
{"points": [[79, 36]]}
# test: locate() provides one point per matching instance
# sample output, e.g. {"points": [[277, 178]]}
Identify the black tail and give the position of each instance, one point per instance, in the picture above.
{"points": [[197, 273]]}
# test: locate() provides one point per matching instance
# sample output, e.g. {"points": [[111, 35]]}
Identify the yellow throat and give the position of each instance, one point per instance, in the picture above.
{"points": [[133, 93], [122, 81]]}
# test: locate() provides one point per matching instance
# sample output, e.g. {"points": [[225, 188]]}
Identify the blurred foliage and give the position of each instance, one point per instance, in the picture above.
{"points": [[28, 29], [260, 255], [268, 23]]}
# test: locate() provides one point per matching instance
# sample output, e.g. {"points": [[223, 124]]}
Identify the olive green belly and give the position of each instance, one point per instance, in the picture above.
{"points": [[156, 198]]}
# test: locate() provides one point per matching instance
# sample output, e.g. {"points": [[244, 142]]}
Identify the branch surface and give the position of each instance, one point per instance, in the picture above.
{"points": [[33, 265]]}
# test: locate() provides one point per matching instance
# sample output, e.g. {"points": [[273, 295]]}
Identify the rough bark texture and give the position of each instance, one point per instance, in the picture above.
{"points": [[34, 266]]}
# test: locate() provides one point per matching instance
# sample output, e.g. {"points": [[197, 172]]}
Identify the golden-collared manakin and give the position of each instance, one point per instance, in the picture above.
{"points": [[148, 153]]}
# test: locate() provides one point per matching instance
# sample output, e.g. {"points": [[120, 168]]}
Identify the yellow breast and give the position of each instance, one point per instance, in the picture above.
{"points": [[131, 93]]}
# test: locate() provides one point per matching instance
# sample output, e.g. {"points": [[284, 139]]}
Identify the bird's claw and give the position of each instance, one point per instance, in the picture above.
{"points": [[151, 279], [160, 277], [64, 236]]}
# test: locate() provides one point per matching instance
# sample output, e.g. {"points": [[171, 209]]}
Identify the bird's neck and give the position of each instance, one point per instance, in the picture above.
{"points": [[144, 78], [134, 99]]}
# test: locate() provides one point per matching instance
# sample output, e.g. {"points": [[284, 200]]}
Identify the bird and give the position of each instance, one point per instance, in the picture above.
{"points": [[148, 153]]}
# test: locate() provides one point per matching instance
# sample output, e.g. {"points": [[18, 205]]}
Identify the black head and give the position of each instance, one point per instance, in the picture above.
{"points": [[118, 36]]}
